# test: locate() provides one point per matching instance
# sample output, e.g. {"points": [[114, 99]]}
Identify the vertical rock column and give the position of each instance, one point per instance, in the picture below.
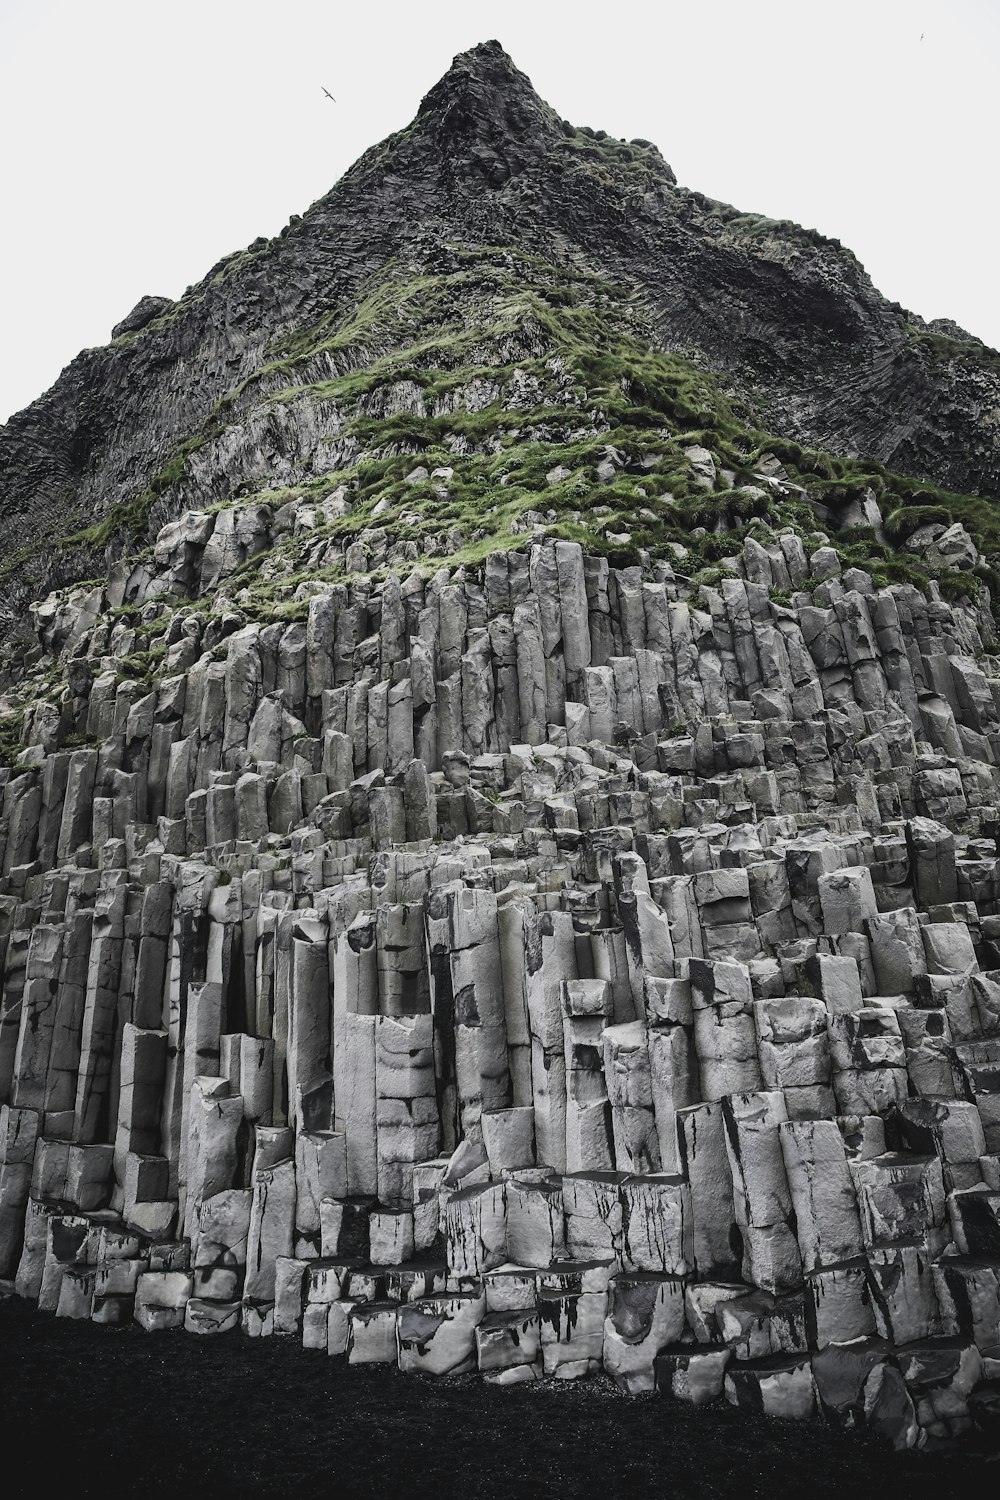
{"points": [[762, 1201], [463, 941], [587, 1006]]}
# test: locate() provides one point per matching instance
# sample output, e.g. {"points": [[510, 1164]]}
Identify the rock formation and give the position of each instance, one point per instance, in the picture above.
{"points": [[500, 872]]}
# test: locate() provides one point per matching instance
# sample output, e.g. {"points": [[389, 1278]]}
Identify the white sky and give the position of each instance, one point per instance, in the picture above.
{"points": [[143, 140]]}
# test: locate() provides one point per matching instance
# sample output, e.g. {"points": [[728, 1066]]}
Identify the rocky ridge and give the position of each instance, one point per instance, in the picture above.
{"points": [[507, 878]]}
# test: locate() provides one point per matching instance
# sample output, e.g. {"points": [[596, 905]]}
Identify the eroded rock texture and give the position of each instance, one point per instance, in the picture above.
{"points": [[454, 943]]}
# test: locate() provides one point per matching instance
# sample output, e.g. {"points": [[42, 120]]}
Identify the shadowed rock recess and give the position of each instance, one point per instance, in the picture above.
{"points": [[500, 867]]}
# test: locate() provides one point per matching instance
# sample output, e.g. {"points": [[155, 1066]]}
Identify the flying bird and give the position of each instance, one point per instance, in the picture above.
{"points": [[328, 94]]}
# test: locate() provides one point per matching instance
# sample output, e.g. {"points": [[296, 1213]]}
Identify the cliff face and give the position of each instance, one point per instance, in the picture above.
{"points": [[499, 871], [789, 319]]}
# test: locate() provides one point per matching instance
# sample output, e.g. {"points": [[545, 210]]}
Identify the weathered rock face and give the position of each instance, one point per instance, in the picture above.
{"points": [[948, 547], [143, 313], [455, 945]]}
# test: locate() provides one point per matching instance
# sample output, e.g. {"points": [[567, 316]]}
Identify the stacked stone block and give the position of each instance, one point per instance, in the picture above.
{"points": [[537, 973]]}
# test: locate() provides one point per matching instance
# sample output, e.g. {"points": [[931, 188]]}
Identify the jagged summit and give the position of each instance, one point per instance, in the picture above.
{"points": [[485, 82], [487, 106], [485, 114], [485, 71], [486, 109]]}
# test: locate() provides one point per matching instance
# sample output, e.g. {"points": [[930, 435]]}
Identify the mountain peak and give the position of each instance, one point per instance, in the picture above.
{"points": [[485, 100], [485, 75]]}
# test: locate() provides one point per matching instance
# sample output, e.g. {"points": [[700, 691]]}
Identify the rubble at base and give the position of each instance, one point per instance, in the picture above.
{"points": [[532, 970]]}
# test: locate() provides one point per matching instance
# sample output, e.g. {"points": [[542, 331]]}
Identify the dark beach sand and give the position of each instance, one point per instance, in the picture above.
{"points": [[100, 1411]]}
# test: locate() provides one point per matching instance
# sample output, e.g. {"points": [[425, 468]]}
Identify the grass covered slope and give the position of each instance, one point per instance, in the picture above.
{"points": [[491, 235], [471, 406], [502, 397]]}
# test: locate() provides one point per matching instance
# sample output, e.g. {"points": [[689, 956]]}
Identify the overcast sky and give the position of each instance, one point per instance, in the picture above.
{"points": [[145, 139]]}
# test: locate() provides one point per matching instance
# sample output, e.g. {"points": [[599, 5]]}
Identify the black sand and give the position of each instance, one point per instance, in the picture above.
{"points": [[101, 1411]]}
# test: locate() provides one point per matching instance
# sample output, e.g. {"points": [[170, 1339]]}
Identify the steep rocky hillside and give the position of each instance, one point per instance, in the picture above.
{"points": [[499, 861], [788, 318]]}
